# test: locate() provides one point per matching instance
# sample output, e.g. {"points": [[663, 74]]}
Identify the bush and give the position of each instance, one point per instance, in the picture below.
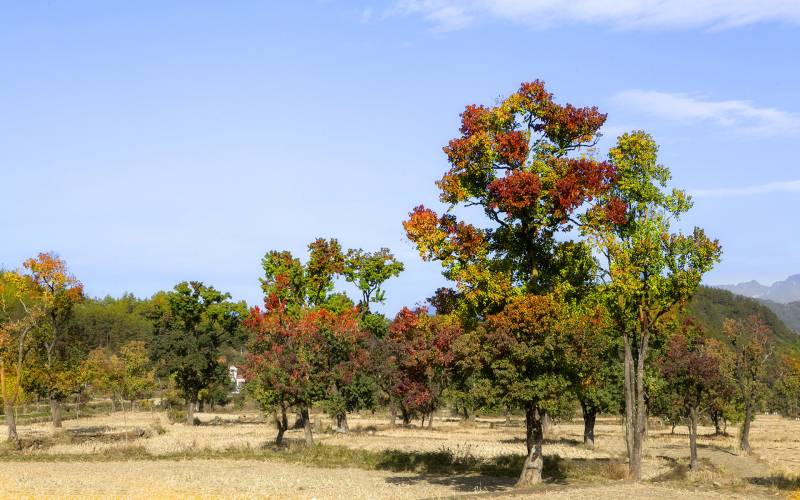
{"points": [[176, 416]]}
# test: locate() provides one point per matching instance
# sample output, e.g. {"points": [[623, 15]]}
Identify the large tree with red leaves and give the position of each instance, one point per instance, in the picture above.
{"points": [[525, 163]]}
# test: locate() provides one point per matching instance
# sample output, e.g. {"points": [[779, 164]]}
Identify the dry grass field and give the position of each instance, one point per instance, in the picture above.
{"points": [[231, 456]]}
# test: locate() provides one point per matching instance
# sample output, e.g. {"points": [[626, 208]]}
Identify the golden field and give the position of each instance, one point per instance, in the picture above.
{"points": [[230, 456]]}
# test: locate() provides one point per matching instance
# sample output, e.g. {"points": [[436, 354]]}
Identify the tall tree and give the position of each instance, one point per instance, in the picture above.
{"points": [[749, 339], [189, 333], [21, 311], [522, 162], [650, 269], [368, 271], [61, 291]]}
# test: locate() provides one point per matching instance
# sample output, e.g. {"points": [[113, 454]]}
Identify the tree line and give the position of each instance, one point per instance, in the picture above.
{"points": [[570, 287]]}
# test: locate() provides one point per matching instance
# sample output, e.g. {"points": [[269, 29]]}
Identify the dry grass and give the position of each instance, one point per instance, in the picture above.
{"points": [[410, 462]]}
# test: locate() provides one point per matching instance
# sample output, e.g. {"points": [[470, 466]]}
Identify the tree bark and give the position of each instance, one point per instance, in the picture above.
{"points": [[635, 405], [548, 429], [307, 427], [534, 463], [693, 438], [282, 423], [430, 420], [406, 416], [717, 428], [55, 412], [393, 415], [341, 423], [589, 418], [744, 438], [190, 412], [11, 422]]}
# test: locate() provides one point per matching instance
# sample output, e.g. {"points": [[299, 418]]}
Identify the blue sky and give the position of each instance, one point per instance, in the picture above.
{"points": [[152, 142]]}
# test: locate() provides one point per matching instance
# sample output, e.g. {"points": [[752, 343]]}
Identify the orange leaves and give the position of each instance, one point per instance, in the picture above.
{"points": [[50, 273]]}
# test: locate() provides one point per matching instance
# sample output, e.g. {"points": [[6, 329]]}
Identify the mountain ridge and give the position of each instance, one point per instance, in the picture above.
{"points": [[780, 292]]}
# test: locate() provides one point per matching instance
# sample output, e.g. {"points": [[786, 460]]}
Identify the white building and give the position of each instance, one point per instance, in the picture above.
{"points": [[236, 379]]}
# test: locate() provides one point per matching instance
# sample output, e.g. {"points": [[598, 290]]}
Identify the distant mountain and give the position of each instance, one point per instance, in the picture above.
{"points": [[712, 306], [782, 292]]}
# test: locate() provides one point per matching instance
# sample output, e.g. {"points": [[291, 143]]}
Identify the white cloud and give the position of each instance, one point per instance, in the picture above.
{"points": [[772, 187], [448, 15], [741, 115]]}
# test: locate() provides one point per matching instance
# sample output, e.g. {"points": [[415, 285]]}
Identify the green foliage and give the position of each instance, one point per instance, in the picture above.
{"points": [[190, 330], [368, 271]]}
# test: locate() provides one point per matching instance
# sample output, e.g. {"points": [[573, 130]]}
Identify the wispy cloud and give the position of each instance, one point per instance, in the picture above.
{"points": [[771, 187], [448, 15], [740, 115]]}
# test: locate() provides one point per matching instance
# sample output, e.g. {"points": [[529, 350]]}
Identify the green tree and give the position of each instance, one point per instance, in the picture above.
{"points": [[368, 271], [189, 333], [749, 339], [650, 270], [126, 376]]}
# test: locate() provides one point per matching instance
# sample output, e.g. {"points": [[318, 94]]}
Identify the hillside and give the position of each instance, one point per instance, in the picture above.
{"points": [[711, 306], [788, 313]]}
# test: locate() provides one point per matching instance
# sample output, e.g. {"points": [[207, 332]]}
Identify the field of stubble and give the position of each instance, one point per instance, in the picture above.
{"points": [[231, 456]]}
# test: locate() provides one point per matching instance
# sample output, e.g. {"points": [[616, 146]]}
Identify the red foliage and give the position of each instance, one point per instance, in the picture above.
{"points": [[616, 211], [582, 180], [425, 357], [512, 148], [516, 191]]}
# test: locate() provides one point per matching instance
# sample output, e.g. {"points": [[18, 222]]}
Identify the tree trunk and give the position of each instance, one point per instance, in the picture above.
{"points": [[635, 406], [589, 418], [393, 415], [406, 416], [430, 420], [532, 470], [55, 412], [744, 438], [423, 420], [307, 428], [341, 423], [717, 427], [190, 412], [693, 438], [11, 422], [548, 429], [299, 421], [282, 423], [201, 406]]}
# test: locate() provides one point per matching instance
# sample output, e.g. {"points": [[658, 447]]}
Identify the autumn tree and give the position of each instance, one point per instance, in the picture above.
{"points": [[524, 164], [591, 361], [691, 367], [126, 376], [787, 382], [189, 332], [650, 270], [424, 355], [749, 340], [21, 311], [368, 271], [60, 292]]}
